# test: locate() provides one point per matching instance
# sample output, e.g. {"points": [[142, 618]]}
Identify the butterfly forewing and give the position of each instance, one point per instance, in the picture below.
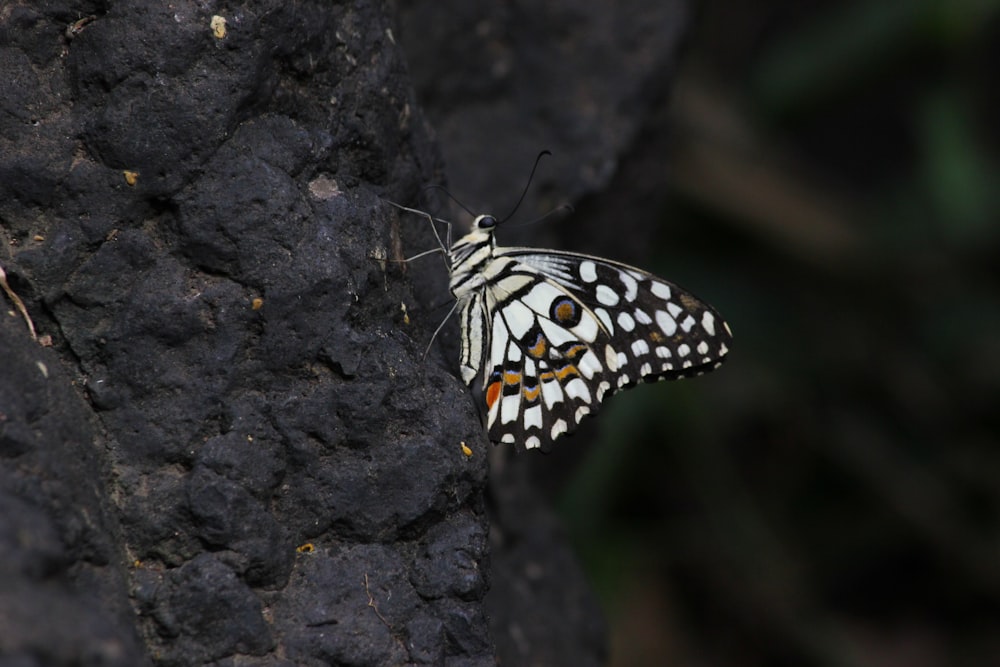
{"points": [[660, 330]]}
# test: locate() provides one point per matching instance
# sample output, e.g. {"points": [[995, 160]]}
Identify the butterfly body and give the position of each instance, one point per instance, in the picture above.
{"points": [[551, 334]]}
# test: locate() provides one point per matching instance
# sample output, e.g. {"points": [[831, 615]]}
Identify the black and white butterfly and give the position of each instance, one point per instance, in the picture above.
{"points": [[551, 334]]}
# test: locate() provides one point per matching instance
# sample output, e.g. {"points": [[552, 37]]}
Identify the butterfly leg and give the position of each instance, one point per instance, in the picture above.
{"points": [[430, 219]]}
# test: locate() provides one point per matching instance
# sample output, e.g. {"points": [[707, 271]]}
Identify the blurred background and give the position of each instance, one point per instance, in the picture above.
{"points": [[831, 496], [827, 175]]}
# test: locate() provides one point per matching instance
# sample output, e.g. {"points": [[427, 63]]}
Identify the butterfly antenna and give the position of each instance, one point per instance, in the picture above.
{"points": [[562, 208], [526, 185], [450, 196]]}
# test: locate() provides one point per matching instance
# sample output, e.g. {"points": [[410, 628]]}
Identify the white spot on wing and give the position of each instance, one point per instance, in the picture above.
{"points": [[708, 323], [588, 271], [541, 296], [533, 417], [577, 388], [639, 348], [532, 442], [631, 286], [509, 408], [666, 323], [683, 350], [641, 317], [661, 290], [587, 328], [606, 295], [519, 318], [556, 334], [605, 319], [498, 344], [626, 322], [551, 393], [589, 365], [687, 324], [702, 347], [559, 427], [611, 358]]}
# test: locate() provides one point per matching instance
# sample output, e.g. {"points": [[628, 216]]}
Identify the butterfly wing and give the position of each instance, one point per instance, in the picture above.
{"points": [[660, 330], [567, 330], [545, 360]]}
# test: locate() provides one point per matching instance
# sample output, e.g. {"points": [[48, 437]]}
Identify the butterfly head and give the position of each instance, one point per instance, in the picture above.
{"points": [[470, 254], [481, 237], [485, 222], [483, 228]]}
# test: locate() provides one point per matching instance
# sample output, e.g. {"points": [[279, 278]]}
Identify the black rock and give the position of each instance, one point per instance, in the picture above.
{"points": [[234, 452]]}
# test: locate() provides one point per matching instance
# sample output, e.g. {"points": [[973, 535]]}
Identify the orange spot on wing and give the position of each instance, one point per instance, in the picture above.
{"points": [[546, 376], [531, 393], [656, 337], [511, 377], [689, 302], [565, 371], [538, 349], [565, 311], [575, 350], [492, 394]]}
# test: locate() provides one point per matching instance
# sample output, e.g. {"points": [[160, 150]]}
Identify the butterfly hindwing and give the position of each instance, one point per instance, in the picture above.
{"points": [[548, 359]]}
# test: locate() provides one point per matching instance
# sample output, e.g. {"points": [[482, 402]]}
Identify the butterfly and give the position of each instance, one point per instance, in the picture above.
{"points": [[551, 334]]}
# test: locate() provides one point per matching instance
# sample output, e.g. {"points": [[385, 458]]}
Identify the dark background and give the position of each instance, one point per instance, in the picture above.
{"points": [[830, 496], [825, 173]]}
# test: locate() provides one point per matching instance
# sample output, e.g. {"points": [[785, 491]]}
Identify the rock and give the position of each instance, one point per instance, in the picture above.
{"points": [[236, 453]]}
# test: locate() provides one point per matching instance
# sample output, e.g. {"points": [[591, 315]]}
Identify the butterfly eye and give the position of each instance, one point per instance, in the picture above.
{"points": [[486, 222]]}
